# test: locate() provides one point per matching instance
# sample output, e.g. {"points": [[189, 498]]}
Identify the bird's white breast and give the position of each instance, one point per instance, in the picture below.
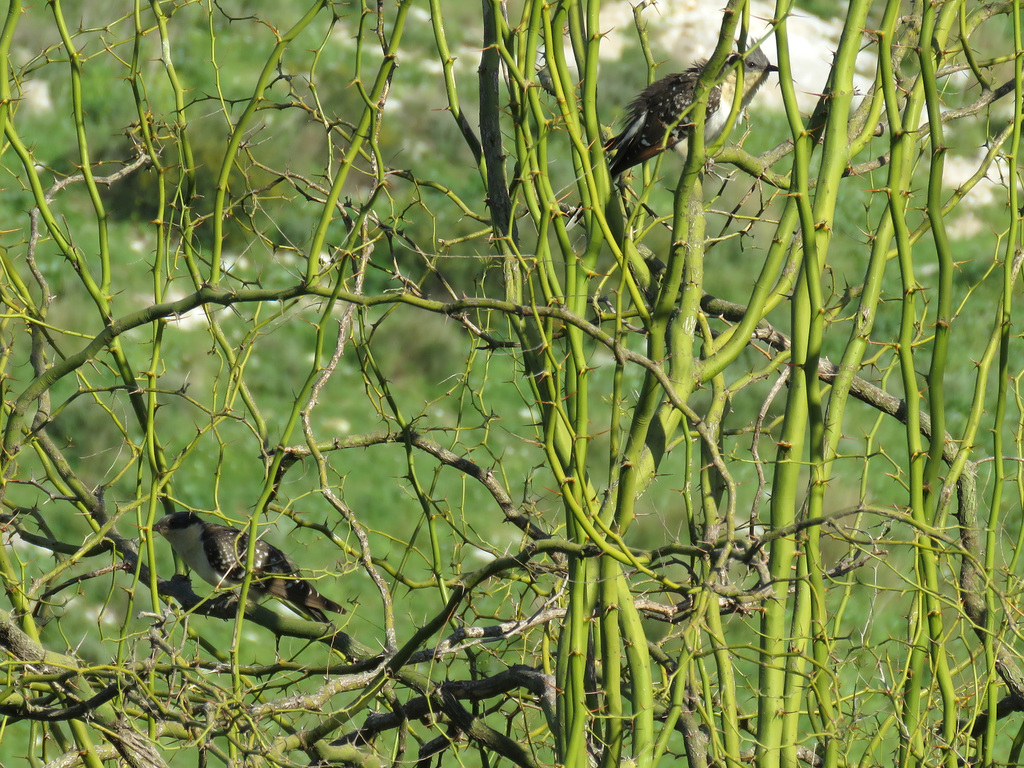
{"points": [[717, 121], [188, 543]]}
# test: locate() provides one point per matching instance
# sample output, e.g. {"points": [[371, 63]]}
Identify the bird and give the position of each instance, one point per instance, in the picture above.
{"points": [[217, 553], [655, 119]]}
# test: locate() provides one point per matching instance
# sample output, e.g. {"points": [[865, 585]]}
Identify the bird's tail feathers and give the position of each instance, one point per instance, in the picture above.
{"points": [[302, 595]]}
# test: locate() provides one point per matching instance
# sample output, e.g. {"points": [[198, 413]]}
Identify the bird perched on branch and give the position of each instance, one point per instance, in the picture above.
{"points": [[217, 553], [656, 119]]}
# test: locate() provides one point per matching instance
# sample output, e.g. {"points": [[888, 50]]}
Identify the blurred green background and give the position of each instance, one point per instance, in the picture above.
{"points": [[474, 401]]}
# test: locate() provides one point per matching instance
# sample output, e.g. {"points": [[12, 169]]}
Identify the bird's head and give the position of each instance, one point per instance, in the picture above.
{"points": [[756, 68], [758, 61], [176, 521]]}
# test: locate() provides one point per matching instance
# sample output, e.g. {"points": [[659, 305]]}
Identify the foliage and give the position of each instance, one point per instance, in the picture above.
{"points": [[718, 473]]}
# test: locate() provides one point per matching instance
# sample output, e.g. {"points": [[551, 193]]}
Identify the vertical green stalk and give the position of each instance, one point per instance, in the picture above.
{"points": [[360, 136], [183, 146], [944, 304], [612, 710], [785, 490], [567, 437], [639, 662], [928, 643], [1004, 324], [14, 11], [242, 127], [824, 436], [729, 706], [775, 722], [75, 62], [146, 137], [911, 745]]}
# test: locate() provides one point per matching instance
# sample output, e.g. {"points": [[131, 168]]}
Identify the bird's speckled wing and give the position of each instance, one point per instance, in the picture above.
{"points": [[650, 115], [274, 572]]}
